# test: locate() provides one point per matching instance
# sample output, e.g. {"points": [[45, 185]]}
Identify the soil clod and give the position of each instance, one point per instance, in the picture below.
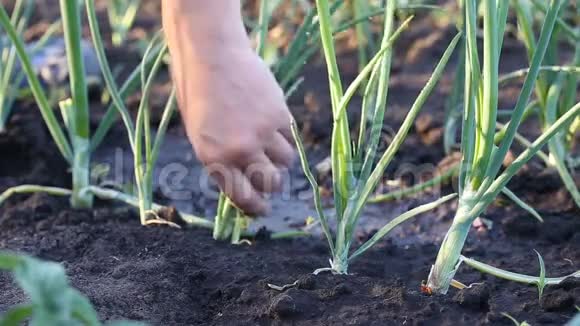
{"points": [[558, 300], [283, 306], [474, 297]]}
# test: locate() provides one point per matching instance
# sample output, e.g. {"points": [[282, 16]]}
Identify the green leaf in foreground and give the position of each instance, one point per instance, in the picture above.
{"points": [[53, 302]]}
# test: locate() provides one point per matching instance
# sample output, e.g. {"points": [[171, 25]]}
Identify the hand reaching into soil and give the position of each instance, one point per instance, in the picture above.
{"points": [[233, 109]]}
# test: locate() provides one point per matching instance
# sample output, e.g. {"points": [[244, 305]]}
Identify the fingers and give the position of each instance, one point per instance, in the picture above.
{"points": [[245, 183], [240, 190], [263, 174], [280, 151]]}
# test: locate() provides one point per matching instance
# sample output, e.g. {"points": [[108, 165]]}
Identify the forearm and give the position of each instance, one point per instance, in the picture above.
{"points": [[205, 26]]}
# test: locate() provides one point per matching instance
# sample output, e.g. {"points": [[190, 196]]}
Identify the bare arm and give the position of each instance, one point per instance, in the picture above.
{"points": [[233, 109]]}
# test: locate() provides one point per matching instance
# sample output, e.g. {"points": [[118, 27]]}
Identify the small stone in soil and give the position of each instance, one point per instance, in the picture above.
{"points": [[558, 300], [283, 306], [474, 297]]}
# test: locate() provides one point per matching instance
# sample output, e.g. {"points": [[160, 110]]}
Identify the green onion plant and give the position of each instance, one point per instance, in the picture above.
{"points": [[73, 138], [144, 146], [73, 144], [480, 180], [11, 78], [122, 14], [363, 31], [556, 91], [354, 172]]}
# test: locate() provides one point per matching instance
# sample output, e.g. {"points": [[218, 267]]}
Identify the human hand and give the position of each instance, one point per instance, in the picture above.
{"points": [[233, 110]]}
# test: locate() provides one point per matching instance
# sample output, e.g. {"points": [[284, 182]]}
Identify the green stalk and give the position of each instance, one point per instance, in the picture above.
{"points": [[143, 163], [476, 196], [340, 259], [453, 105], [486, 114], [46, 111], [223, 222], [572, 70], [472, 205], [571, 87], [238, 227], [515, 277], [347, 225], [397, 221], [122, 14], [523, 98], [557, 145], [446, 264], [118, 96], [110, 194], [263, 27], [437, 180], [525, 24], [130, 85], [366, 188], [314, 186], [341, 145], [9, 55], [360, 8], [382, 91], [80, 135], [486, 198], [569, 31], [28, 189]]}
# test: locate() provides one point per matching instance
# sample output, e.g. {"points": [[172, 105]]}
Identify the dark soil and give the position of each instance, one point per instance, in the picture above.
{"points": [[166, 276], [183, 277]]}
